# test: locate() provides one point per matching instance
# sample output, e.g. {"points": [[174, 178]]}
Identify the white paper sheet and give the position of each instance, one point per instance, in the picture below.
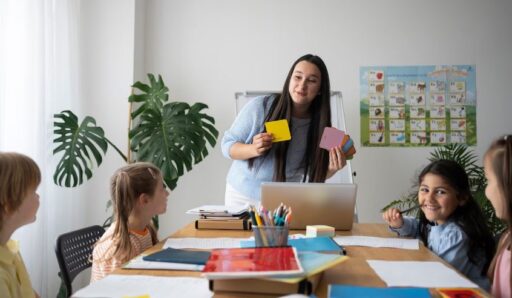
{"points": [[203, 243], [377, 242], [419, 274], [139, 263], [117, 286]]}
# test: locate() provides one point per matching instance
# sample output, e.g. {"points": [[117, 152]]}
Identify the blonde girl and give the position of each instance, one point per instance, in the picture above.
{"points": [[19, 179], [498, 171], [138, 193]]}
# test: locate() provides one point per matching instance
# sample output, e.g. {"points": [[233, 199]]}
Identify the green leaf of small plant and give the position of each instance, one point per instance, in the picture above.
{"points": [[83, 145], [173, 136]]}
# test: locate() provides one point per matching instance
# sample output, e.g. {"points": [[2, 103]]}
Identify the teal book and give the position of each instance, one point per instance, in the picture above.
{"points": [[319, 244], [337, 291], [183, 256]]}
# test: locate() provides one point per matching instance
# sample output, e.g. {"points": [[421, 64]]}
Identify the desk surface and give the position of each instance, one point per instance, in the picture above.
{"points": [[354, 271]]}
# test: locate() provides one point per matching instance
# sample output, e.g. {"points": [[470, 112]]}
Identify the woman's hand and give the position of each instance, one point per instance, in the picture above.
{"points": [[261, 143], [393, 217], [337, 161]]}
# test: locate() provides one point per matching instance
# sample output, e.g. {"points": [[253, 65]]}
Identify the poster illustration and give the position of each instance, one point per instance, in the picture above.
{"points": [[413, 106]]}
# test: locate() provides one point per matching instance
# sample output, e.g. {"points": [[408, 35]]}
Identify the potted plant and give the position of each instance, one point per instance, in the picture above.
{"points": [[477, 182], [172, 135]]}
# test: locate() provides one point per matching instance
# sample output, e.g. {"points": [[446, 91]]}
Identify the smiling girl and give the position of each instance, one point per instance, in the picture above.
{"points": [[450, 222]]}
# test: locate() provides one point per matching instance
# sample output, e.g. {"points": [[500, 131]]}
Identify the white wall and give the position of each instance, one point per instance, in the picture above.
{"points": [[208, 50], [107, 69]]}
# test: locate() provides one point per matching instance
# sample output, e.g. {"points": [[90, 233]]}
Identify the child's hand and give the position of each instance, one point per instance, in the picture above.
{"points": [[393, 217]]}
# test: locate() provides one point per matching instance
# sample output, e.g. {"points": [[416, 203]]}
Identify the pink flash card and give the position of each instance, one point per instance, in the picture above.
{"points": [[331, 138]]}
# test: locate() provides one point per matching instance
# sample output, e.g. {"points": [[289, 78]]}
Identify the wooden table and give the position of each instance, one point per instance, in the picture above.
{"points": [[354, 271]]}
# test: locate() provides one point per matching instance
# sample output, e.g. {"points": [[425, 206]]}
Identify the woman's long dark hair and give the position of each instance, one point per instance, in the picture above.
{"points": [[468, 216], [316, 160]]}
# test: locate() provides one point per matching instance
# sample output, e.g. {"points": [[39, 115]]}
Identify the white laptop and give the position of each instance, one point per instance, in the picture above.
{"points": [[331, 204]]}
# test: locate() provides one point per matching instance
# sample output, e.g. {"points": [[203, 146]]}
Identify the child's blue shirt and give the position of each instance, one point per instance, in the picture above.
{"points": [[449, 242]]}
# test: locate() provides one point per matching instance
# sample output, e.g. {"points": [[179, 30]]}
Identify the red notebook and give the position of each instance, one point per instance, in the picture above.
{"points": [[252, 262]]}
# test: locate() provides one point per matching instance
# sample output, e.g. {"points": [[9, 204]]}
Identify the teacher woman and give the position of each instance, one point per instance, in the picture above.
{"points": [[305, 103]]}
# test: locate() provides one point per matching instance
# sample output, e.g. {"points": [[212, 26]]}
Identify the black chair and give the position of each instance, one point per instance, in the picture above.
{"points": [[74, 250]]}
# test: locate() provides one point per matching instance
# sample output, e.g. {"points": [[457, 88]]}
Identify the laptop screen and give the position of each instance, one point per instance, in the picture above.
{"points": [[331, 204]]}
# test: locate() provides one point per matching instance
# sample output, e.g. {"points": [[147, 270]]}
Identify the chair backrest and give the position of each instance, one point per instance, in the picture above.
{"points": [[74, 250]]}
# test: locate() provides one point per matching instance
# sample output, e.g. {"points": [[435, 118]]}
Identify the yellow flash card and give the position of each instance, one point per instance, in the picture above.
{"points": [[279, 130]]}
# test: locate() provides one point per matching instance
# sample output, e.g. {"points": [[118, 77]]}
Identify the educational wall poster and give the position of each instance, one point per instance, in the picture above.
{"points": [[414, 106]]}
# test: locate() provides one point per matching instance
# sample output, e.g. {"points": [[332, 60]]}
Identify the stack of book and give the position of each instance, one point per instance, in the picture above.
{"points": [[221, 217], [256, 270]]}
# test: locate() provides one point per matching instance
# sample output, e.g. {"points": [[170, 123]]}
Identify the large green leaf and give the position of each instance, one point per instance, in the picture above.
{"points": [[173, 138], [153, 96], [82, 145]]}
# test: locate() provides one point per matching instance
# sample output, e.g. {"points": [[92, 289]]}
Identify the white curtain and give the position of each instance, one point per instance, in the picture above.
{"points": [[39, 63]]}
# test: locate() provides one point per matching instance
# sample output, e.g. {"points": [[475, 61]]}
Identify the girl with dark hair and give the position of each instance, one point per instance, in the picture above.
{"points": [[498, 171], [305, 103], [451, 222]]}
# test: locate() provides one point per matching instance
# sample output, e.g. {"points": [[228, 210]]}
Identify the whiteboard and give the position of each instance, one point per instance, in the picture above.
{"points": [[338, 121]]}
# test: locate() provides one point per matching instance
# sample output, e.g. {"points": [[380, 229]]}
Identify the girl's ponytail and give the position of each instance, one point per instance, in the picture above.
{"points": [[124, 201]]}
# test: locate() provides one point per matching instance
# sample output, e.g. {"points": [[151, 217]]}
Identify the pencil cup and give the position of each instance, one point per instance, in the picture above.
{"points": [[270, 236]]}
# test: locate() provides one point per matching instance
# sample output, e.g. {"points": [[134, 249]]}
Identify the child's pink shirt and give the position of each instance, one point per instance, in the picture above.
{"points": [[501, 282]]}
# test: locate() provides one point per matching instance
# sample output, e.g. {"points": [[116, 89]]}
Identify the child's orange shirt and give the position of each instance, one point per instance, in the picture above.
{"points": [[103, 262]]}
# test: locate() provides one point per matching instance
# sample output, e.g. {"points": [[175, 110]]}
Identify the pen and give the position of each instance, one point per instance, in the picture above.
{"points": [[288, 217], [258, 219], [409, 209]]}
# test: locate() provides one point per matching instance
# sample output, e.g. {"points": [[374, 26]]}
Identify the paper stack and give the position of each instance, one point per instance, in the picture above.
{"points": [[222, 217]]}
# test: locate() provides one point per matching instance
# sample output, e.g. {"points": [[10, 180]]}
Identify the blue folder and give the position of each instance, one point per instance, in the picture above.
{"points": [[183, 256], [320, 244], [337, 291]]}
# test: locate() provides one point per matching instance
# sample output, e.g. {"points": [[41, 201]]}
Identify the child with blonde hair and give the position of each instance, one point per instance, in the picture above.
{"points": [[451, 223], [138, 193], [19, 178], [498, 171]]}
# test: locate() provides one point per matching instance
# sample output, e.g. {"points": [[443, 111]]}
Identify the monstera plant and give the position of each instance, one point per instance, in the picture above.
{"points": [[477, 182], [172, 135]]}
